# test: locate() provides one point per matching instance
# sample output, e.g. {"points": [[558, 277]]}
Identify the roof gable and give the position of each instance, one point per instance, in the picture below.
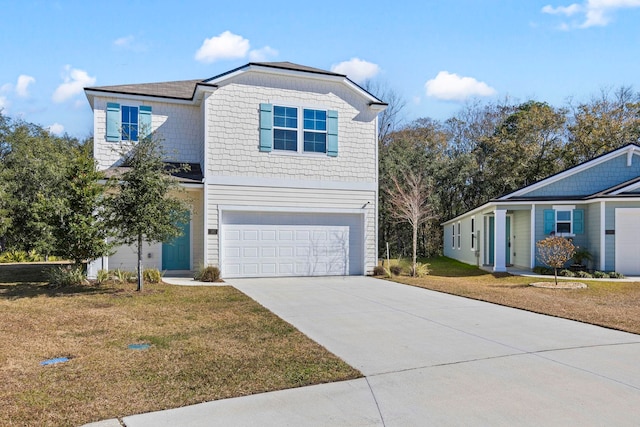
{"points": [[589, 178], [189, 90]]}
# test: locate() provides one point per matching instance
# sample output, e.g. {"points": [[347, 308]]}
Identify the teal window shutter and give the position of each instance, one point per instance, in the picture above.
{"points": [[578, 221], [549, 221], [113, 122], [332, 133], [266, 127], [144, 121]]}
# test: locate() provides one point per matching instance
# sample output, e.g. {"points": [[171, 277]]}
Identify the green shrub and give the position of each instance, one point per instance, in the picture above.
{"points": [[584, 275], [566, 273], [151, 275], [14, 256], [421, 270], [616, 275], [123, 276], [102, 277], [542, 270], [395, 269], [65, 276], [600, 275], [378, 270], [209, 273]]}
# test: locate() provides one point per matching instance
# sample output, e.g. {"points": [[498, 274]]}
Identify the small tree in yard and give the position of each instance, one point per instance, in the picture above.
{"points": [[555, 251], [409, 199], [142, 207], [81, 233]]}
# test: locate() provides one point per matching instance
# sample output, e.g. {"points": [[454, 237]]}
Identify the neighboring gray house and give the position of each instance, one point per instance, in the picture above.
{"points": [[284, 168], [596, 203]]}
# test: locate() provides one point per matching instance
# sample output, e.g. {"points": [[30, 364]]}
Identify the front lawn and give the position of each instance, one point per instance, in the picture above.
{"points": [[614, 304], [206, 343]]}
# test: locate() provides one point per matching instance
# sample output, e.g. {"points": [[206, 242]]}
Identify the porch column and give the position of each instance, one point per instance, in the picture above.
{"points": [[500, 238], [533, 236]]}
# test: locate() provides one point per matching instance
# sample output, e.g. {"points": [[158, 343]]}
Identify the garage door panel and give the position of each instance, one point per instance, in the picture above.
{"points": [[627, 238], [287, 250]]}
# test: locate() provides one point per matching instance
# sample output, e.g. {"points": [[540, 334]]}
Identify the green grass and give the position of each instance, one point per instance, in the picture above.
{"points": [[206, 343], [614, 304]]}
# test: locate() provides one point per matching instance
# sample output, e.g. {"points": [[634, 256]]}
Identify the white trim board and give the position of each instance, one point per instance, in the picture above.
{"points": [[255, 181]]}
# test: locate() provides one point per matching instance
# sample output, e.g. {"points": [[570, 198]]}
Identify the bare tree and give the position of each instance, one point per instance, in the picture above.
{"points": [[555, 251], [409, 200], [389, 120]]}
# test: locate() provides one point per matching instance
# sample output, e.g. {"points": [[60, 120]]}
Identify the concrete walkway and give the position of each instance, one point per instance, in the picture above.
{"points": [[433, 359]]}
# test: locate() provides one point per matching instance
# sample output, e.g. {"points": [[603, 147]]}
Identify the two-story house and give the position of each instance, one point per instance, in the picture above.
{"points": [[284, 168]]}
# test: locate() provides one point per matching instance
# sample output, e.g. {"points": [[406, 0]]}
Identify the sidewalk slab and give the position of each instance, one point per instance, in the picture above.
{"points": [[347, 403]]}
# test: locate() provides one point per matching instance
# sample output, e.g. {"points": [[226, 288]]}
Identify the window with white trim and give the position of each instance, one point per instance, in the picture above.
{"points": [[473, 233], [287, 130], [453, 236], [458, 235], [564, 221]]}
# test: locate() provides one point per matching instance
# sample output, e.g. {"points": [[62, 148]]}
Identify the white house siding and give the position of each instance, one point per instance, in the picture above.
{"points": [[291, 199], [179, 127], [233, 130], [463, 253], [521, 238], [610, 242]]}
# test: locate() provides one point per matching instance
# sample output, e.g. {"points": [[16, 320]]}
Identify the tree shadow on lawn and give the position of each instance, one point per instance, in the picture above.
{"points": [[13, 291]]}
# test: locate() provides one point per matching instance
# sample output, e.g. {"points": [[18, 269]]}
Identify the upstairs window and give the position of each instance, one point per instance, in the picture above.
{"points": [[285, 128], [298, 130], [315, 131], [127, 123]]}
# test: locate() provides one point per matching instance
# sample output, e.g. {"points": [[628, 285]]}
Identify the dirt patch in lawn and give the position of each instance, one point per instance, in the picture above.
{"points": [[613, 304], [191, 344], [559, 285]]}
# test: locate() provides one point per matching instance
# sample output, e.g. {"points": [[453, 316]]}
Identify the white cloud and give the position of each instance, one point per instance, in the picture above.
{"points": [[452, 87], [264, 54], [7, 87], [22, 87], [4, 103], [123, 41], [56, 129], [74, 81], [356, 69], [594, 13], [225, 46]]}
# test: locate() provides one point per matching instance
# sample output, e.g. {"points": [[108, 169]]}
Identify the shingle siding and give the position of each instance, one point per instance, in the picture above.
{"points": [[593, 180]]}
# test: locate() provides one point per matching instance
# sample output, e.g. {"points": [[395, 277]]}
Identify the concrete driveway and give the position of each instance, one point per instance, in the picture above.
{"points": [[433, 359]]}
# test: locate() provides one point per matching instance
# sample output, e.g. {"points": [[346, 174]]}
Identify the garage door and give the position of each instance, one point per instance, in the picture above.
{"points": [[628, 241], [263, 245]]}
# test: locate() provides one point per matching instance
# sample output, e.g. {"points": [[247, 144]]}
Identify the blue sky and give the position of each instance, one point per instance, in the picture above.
{"points": [[436, 54]]}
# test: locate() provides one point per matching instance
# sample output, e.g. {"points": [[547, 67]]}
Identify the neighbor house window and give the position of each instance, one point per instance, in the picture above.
{"points": [[300, 130], [563, 220], [453, 236], [458, 235], [473, 234]]}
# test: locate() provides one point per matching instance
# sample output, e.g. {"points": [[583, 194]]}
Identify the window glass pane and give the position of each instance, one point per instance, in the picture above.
{"points": [[564, 216], [315, 120], [285, 140], [129, 123], [563, 227], [285, 117], [315, 142]]}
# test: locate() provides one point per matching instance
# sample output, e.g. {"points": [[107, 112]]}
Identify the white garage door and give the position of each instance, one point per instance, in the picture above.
{"points": [[263, 245], [628, 241]]}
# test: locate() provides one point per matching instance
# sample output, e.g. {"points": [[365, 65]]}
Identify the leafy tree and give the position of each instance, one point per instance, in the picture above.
{"points": [[555, 251], [608, 121], [142, 206], [81, 233], [31, 170]]}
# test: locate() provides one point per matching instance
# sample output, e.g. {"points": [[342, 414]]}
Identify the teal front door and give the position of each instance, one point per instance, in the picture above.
{"points": [[176, 254]]}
